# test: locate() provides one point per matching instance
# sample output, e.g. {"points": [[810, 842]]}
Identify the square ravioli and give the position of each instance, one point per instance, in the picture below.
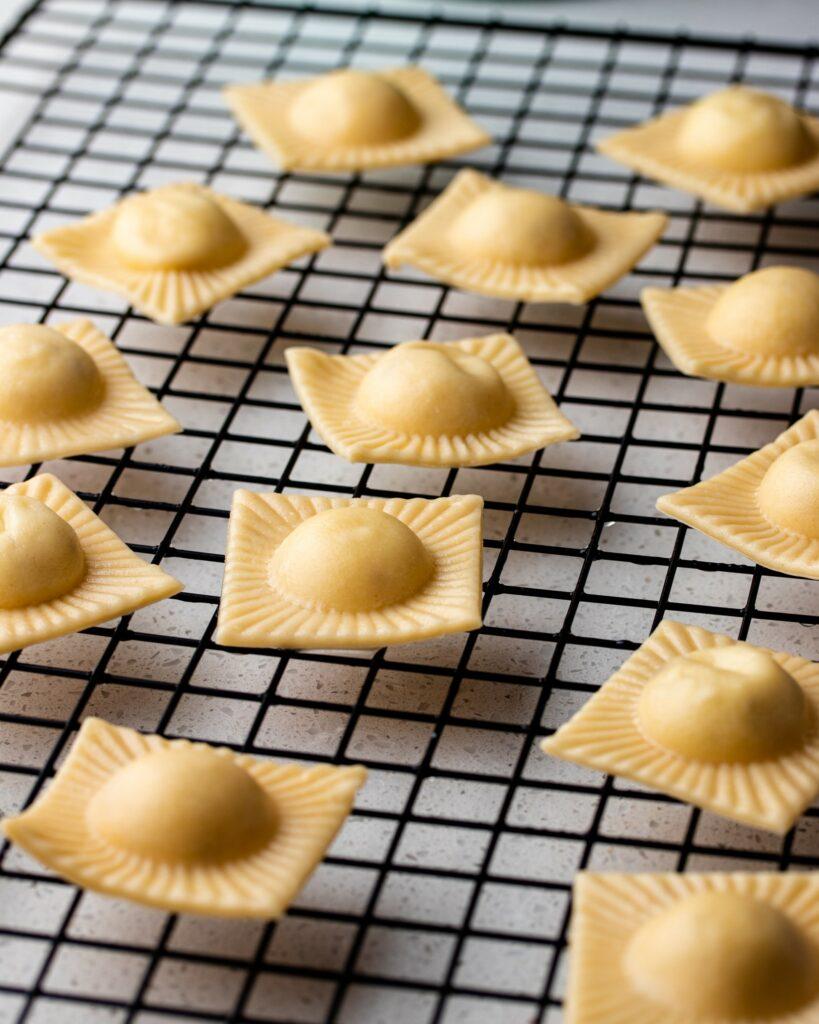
{"points": [[694, 948], [723, 725], [62, 569], [766, 506], [457, 403], [177, 250], [763, 329], [349, 572], [514, 243], [351, 120], [738, 148], [184, 826], [66, 390]]}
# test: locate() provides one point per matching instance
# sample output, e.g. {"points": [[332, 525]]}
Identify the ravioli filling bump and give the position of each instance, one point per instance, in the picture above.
{"points": [[176, 227], [722, 955], [521, 226], [44, 375], [351, 559], [772, 312], [423, 388], [41, 557], [732, 704], [353, 108], [743, 130], [789, 492]]}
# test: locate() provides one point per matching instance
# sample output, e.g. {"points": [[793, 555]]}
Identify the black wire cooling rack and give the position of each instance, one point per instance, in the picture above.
{"points": [[446, 897]]}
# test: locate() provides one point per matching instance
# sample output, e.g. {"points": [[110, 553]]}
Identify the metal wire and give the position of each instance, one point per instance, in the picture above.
{"points": [[446, 898]]}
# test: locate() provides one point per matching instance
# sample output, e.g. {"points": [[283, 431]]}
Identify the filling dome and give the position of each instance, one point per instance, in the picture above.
{"points": [[436, 390], [41, 557], [44, 375], [722, 956], [183, 804], [350, 559], [789, 492], [176, 227], [520, 226], [774, 311], [354, 108], [724, 704], [745, 131]]}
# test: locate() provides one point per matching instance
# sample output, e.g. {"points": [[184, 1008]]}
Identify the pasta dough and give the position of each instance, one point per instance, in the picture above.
{"points": [[184, 826], [765, 506], [694, 948], [68, 391], [177, 250], [726, 726], [351, 120], [487, 237], [762, 329], [460, 403], [738, 148], [62, 569], [348, 573]]}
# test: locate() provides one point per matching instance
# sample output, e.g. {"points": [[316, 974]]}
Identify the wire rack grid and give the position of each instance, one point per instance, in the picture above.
{"points": [[445, 898]]}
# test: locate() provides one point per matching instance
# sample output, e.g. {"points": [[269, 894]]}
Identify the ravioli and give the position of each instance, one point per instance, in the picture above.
{"points": [[738, 148], [185, 826], [694, 948], [349, 572], [766, 506], [514, 243], [351, 120], [66, 390], [62, 569], [177, 250], [459, 403], [763, 329], [724, 725]]}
